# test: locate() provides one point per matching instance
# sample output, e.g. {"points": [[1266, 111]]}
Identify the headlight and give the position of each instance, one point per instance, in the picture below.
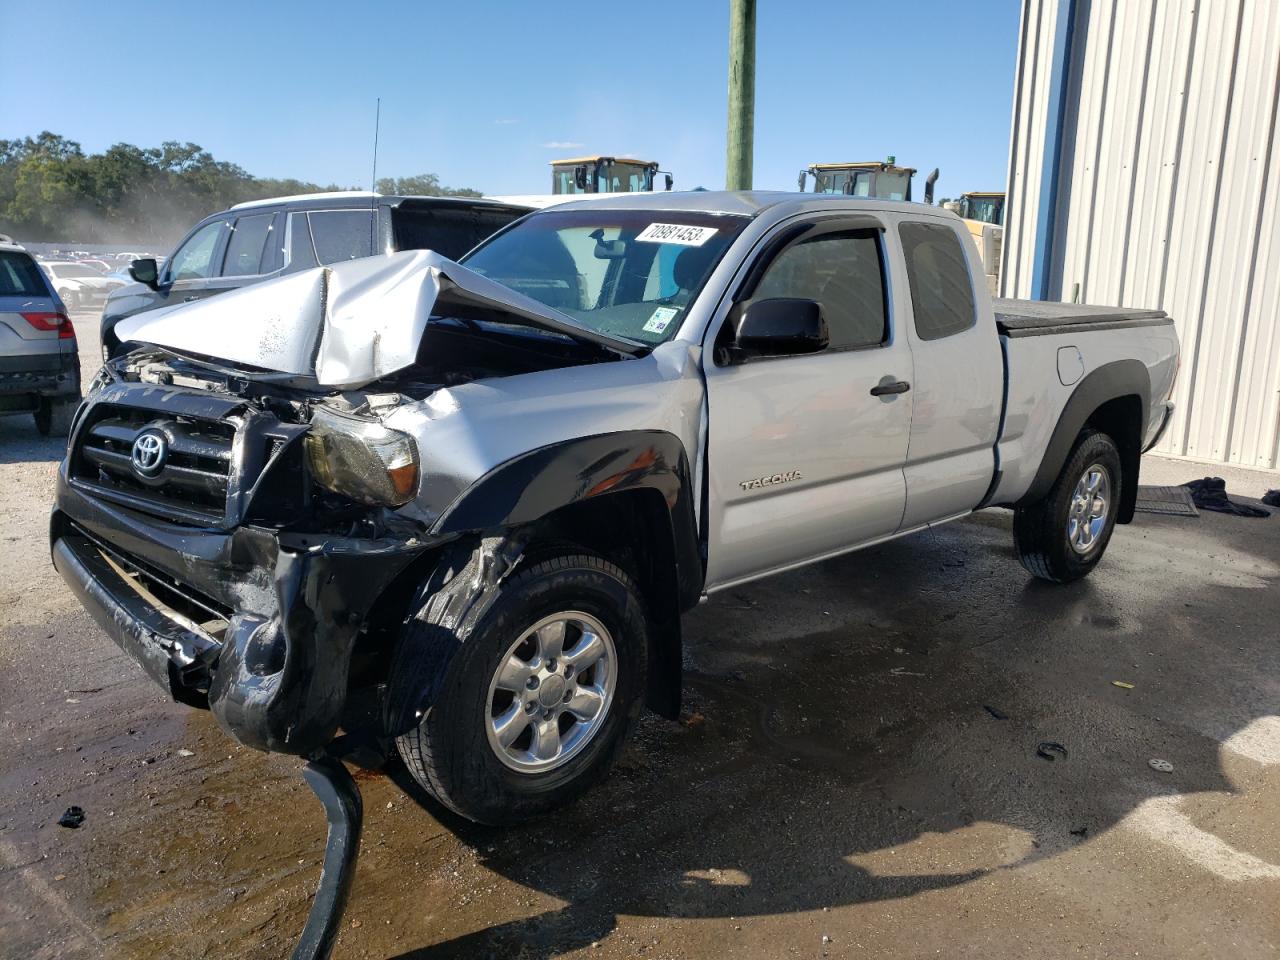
{"points": [[361, 459], [100, 380]]}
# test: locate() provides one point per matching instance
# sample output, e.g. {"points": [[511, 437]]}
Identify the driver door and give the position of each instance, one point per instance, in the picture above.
{"points": [[804, 461]]}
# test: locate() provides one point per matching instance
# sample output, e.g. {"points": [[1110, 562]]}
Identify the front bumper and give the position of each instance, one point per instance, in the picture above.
{"points": [[284, 611]]}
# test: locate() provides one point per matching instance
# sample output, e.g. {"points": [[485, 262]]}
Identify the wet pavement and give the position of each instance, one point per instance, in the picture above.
{"points": [[856, 775]]}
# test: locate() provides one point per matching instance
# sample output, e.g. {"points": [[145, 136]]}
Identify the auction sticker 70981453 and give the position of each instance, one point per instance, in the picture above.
{"points": [[680, 233]]}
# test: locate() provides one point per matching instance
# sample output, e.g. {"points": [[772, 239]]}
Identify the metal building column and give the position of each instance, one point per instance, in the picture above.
{"points": [[1051, 172]]}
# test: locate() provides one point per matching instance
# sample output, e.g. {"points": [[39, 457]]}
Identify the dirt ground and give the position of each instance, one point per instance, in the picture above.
{"points": [[856, 775]]}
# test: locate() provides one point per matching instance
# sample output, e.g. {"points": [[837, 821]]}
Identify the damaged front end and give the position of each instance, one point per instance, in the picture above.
{"points": [[222, 563]]}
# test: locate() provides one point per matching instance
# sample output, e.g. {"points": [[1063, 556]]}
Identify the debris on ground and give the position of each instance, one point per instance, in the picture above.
{"points": [[1164, 766], [998, 714], [72, 818], [1122, 684], [1211, 494], [1080, 831], [186, 753], [1169, 501], [1271, 498], [694, 719], [904, 672], [1050, 750]]}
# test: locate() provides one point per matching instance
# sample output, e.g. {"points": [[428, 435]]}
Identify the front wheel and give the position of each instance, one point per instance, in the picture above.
{"points": [[1063, 536], [538, 699]]}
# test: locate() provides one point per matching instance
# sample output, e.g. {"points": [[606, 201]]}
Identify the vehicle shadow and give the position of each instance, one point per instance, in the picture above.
{"points": [[869, 729], [20, 442]]}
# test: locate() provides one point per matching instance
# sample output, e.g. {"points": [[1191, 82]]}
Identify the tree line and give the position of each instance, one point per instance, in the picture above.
{"points": [[52, 191]]}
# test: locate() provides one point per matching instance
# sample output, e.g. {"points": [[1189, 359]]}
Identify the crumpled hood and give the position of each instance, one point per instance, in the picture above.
{"points": [[345, 325]]}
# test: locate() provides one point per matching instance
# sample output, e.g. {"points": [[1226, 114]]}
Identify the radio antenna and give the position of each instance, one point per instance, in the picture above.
{"points": [[373, 181]]}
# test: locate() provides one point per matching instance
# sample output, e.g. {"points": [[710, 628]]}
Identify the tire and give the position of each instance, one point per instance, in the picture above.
{"points": [[69, 300], [455, 752], [53, 417], [1058, 538]]}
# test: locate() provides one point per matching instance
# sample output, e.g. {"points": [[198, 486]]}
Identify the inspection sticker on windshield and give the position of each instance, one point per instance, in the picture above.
{"points": [[680, 233], [660, 320]]}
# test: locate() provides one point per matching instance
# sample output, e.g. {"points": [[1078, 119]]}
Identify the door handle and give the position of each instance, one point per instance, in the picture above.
{"points": [[889, 386], [190, 299]]}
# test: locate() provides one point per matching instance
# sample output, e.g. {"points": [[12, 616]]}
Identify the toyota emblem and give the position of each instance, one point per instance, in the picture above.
{"points": [[149, 452]]}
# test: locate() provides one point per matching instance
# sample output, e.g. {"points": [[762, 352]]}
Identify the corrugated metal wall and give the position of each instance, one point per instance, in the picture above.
{"points": [[1168, 194]]}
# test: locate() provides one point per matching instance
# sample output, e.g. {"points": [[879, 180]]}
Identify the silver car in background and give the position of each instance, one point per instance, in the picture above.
{"points": [[39, 362]]}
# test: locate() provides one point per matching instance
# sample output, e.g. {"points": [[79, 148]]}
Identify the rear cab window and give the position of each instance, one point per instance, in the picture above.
{"points": [[19, 276], [938, 273]]}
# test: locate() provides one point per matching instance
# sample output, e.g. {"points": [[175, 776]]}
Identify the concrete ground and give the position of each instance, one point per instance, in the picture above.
{"points": [[856, 774]]}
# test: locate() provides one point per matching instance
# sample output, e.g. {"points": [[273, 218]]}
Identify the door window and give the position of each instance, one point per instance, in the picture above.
{"points": [[843, 272], [938, 272], [341, 234], [302, 255], [247, 246], [194, 259]]}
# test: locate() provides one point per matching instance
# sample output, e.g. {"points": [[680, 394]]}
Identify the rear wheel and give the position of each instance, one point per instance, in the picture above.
{"points": [[545, 684], [1063, 536], [70, 299], [53, 416]]}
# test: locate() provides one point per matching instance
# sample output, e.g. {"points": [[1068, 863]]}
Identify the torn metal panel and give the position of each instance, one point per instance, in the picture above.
{"points": [[346, 325]]}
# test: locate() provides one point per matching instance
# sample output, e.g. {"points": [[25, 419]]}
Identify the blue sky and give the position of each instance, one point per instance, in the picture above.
{"points": [[485, 93]]}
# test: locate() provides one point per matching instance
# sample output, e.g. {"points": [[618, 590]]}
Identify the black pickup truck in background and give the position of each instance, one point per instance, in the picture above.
{"points": [[263, 239]]}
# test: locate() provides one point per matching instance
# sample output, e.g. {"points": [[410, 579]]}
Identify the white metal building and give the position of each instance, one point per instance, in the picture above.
{"points": [[1144, 170]]}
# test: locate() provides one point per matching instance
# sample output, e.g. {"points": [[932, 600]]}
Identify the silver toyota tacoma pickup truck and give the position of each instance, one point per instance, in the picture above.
{"points": [[461, 507]]}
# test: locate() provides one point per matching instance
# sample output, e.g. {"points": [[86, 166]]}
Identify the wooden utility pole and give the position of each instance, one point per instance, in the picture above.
{"points": [[742, 94]]}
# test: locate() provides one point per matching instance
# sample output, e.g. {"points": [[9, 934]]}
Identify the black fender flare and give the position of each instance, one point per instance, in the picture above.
{"points": [[1111, 381], [495, 514], [532, 485]]}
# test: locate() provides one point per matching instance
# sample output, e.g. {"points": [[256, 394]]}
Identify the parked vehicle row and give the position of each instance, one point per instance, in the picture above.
{"points": [[39, 361], [265, 239]]}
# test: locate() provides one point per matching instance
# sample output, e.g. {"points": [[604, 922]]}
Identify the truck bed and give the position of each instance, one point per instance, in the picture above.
{"points": [[1033, 318]]}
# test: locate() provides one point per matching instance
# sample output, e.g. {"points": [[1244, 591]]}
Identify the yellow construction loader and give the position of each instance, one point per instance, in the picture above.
{"points": [[879, 179], [604, 175], [983, 214]]}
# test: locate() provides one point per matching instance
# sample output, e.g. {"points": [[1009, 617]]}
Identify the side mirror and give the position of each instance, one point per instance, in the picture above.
{"points": [[781, 327], [580, 177], [800, 180], [145, 271], [670, 180]]}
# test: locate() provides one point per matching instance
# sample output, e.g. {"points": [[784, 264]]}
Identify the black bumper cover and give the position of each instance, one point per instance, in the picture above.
{"points": [[278, 678]]}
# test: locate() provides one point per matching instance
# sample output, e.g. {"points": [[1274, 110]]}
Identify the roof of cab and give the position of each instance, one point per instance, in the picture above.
{"points": [[362, 197], [745, 203], [605, 156]]}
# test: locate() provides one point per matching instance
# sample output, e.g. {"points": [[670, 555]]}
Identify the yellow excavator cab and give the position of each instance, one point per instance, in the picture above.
{"points": [[984, 206], [880, 179], [600, 174]]}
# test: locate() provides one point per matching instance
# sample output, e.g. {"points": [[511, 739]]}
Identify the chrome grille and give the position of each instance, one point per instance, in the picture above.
{"points": [[190, 486]]}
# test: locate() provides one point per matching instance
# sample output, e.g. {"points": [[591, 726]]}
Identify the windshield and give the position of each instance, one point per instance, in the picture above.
{"points": [[65, 271], [985, 209], [627, 273]]}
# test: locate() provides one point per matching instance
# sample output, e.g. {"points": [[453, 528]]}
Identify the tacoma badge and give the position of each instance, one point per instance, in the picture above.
{"points": [[769, 481]]}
